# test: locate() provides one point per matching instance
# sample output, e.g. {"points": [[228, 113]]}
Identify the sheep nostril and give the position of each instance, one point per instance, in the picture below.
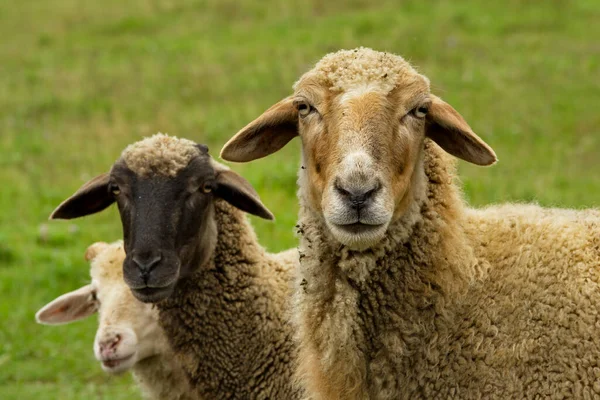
{"points": [[145, 264], [340, 189], [357, 197], [110, 346]]}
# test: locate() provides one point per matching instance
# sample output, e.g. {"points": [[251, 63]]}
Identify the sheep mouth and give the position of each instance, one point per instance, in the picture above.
{"points": [[152, 294], [116, 364], [359, 228]]}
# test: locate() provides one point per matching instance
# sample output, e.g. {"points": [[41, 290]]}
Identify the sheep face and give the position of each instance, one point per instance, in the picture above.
{"points": [[162, 219], [166, 208], [128, 329], [362, 117]]}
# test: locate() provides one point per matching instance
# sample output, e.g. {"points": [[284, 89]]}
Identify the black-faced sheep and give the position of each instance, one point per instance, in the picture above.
{"points": [[128, 336], [403, 291], [222, 299]]}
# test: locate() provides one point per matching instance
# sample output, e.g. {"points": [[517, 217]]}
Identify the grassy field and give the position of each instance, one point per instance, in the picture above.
{"points": [[80, 79]]}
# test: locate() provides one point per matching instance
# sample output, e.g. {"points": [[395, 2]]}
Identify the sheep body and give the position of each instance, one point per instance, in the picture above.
{"points": [[402, 290], [453, 303], [228, 321]]}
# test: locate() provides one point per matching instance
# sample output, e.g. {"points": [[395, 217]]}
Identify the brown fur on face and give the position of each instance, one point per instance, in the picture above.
{"points": [[362, 116]]}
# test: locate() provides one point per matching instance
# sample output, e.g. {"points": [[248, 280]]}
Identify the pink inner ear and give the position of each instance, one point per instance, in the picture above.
{"points": [[68, 308]]}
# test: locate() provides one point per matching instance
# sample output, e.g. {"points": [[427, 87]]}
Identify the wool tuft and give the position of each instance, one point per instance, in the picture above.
{"points": [[160, 154]]}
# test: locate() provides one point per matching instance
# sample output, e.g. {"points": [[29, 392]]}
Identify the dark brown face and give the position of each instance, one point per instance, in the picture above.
{"points": [[162, 218], [168, 222]]}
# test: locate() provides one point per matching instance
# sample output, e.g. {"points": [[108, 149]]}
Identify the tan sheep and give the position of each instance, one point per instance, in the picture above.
{"points": [[129, 336], [223, 300], [403, 291]]}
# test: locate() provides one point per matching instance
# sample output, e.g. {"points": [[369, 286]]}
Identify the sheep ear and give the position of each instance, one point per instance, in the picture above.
{"points": [[238, 192], [69, 307], [265, 135], [89, 199], [447, 128]]}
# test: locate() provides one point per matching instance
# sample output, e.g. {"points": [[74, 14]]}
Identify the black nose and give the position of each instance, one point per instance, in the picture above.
{"points": [[357, 197], [146, 261]]}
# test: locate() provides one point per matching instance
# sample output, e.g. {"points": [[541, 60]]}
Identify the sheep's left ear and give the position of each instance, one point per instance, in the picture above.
{"points": [[450, 131], [238, 192], [91, 198], [69, 307]]}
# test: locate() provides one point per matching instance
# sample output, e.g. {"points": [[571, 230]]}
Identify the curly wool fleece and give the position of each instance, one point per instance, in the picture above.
{"points": [[345, 69], [160, 155], [453, 303], [228, 322]]}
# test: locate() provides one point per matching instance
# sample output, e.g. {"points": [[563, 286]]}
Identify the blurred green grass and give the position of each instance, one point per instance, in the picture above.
{"points": [[80, 80]]}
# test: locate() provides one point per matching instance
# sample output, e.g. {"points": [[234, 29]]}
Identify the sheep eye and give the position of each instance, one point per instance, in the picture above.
{"points": [[207, 188], [421, 111], [303, 108], [114, 189]]}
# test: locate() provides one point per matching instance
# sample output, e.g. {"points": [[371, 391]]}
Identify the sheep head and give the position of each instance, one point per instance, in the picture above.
{"points": [[165, 190], [362, 117], [128, 329]]}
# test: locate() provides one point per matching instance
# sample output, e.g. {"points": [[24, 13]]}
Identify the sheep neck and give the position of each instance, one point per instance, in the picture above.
{"points": [[352, 305], [161, 378], [223, 321]]}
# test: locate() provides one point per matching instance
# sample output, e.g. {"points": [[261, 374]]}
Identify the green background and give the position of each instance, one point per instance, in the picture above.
{"points": [[79, 80]]}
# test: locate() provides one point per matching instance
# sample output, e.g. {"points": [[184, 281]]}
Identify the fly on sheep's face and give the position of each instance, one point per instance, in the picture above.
{"points": [[362, 128], [166, 205]]}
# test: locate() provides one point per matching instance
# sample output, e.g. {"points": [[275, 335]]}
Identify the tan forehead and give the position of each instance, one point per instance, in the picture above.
{"points": [[409, 87], [107, 266]]}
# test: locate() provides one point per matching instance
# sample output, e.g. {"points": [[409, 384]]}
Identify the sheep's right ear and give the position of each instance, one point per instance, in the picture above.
{"points": [[89, 199], [69, 307], [265, 135]]}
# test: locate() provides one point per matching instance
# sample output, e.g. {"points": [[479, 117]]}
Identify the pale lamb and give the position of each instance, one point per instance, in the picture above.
{"points": [[128, 336]]}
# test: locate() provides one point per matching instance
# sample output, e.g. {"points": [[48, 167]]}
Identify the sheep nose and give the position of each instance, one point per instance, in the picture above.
{"points": [[146, 261], [357, 197], [109, 346]]}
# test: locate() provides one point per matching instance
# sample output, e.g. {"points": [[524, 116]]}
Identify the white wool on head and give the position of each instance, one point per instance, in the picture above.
{"points": [[159, 154], [346, 69], [107, 265]]}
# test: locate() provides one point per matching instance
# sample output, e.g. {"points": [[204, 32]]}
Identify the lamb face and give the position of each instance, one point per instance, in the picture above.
{"points": [[165, 188], [128, 329], [362, 117]]}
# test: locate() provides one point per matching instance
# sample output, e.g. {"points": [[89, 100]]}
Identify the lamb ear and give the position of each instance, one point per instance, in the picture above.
{"points": [[265, 135], [89, 199], [238, 192], [69, 307], [447, 128]]}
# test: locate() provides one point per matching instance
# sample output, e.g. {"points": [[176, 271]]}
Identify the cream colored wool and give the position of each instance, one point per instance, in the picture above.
{"points": [[453, 303], [347, 69], [160, 155]]}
